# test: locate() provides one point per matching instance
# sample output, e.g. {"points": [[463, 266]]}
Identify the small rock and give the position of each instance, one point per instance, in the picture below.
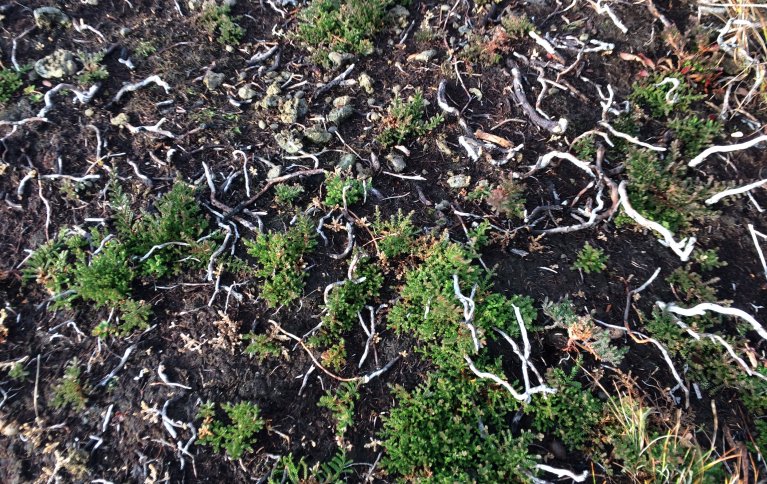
{"points": [[399, 12], [363, 171], [341, 101], [48, 18], [443, 147], [262, 124], [374, 116], [317, 135], [274, 89], [59, 64], [338, 115], [396, 162], [213, 80], [288, 141], [424, 56], [273, 172], [366, 83], [459, 181], [292, 110], [338, 58], [270, 102], [119, 120], [346, 161], [246, 92], [442, 206]]}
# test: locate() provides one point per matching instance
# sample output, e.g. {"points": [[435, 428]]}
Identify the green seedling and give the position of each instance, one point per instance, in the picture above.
{"points": [[591, 259], [238, 435], [280, 257], [70, 391], [407, 118]]}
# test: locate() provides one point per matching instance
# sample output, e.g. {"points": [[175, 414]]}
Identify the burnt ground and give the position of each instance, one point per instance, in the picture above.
{"points": [[199, 343]]}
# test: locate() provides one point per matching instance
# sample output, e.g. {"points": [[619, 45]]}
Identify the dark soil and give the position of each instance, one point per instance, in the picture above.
{"points": [[199, 344]]}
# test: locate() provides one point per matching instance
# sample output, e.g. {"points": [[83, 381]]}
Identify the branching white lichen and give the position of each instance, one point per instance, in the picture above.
{"points": [[683, 248], [735, 191], [702, 308], [154, 128], [80, 96], [664, 352], [726, 149], [155, 79], [601, 9], [522, 397], [630, 139], [554, 127], [754, 233], [468, 309], [165, 380], [563, 472]]}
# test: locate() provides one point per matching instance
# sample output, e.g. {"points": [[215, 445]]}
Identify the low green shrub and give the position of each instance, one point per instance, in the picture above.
{"points": [[660, 189], [694, 133], [280, 257], [340, 187], [92, 268], [341, 403], [261, 346], [217, 20], [10, 83], [237, 436], [407, 118], [346, 26], [653, 96], [396, 235], [572, 414], [333, 471], [70, 390], [455, 430], [590, 259]]}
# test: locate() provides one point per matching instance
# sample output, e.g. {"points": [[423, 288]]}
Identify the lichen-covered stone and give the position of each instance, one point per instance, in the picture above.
{"points": [[289, 141], [60, 63], [459, 181], [246, 92], [338, 115], [48, 18], [317, 135], [213, 80], [293, 110]]}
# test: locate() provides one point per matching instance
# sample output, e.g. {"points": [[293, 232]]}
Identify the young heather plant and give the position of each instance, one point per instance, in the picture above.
{"points": [[407, 118], [395, 235], [652, 94], [10, 82], [70, 390], [96, 270], [344, 303], [280, 257], [572, 414], [455, 430], [237, 436], [661, 190], [341, 403], [590, 259], [342, 25], [339, 187], [217, 19], [508, 198]]}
